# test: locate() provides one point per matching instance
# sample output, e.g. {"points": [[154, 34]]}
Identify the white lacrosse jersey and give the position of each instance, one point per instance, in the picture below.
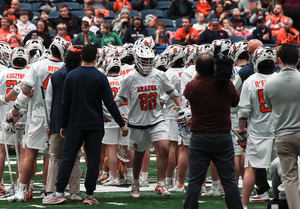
{"points": [[3, 68], [125, 69], [143, 94], [115, 84], [174, 75], [39, 75], [252, 97], [186, 77], [234, 110]]}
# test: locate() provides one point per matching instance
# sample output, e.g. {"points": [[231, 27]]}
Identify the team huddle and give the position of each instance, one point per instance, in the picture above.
{"points": [[148, 91]]}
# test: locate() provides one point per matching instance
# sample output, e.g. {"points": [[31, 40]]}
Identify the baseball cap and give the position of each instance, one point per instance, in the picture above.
{"points": [[74, 53], [261, 18], [253, 45]]}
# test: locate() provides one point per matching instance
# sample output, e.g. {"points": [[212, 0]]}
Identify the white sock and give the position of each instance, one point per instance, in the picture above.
{"points": [[109, 173], [31, 184], [2, 181], [59, 194], [144, 176], [136, 182], [245, 207], [216, 184], [129, 172], [100, 171], [44, 187], [161, 183], [22, 187], [168, 180]]}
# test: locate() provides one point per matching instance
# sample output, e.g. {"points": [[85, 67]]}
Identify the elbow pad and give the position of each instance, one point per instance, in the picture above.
{"points": [[27, 86], [244, 113], [17, 89], [173, 92], [21, 102]]}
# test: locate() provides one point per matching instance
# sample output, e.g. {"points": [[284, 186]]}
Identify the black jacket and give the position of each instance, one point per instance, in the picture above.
{"points": [[132, 35], [73, 24], [208, 36], [258, 34], [47, 39], [139, 5], [175, 10]]}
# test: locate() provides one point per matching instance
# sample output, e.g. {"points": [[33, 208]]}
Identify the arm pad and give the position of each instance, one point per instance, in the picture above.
{"points": [[27, 86], [173, 92], [21, 101], [17, 89], [244, 113]]}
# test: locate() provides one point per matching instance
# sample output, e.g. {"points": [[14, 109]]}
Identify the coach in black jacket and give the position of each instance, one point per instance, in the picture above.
{"points": [[262, 32]]}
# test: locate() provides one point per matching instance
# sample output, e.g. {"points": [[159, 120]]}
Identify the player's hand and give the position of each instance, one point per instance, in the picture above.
{"points": [[63, 132], [125, 118], [48, 133], [3, 100], [242, 141], [124, 130], [13, 116]]}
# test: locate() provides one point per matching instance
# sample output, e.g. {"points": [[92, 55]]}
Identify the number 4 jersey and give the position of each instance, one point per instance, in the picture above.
{"points": [[39, 75], [143, 94], [252, 98]]}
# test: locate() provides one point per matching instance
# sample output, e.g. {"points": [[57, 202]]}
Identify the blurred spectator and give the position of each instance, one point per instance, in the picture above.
{"points": [[62, 32], [212, 33], [159, 37], [136, 31], [3, 4], [263, 10], [42, 33], [96, 28], [97, 4], [72, 21], [246, 6], [218, 12], [13, 38], [89, 11], [119, 5], [291, 9], [24, 25], [86, 36], [287, 34], [203, 7], [181, 8], [262, 33], [140, 5], [200, 26], [14, 12], [48, 5], [236, 19], [5, 22], [228, 27], [45, 16], [122, 22], [109, 37], [275, 20], [186, 35]]}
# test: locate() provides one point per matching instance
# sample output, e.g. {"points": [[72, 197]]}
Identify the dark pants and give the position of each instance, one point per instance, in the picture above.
{"points": [[73, 142], [261, 181], [219, 149], [294, 13]]}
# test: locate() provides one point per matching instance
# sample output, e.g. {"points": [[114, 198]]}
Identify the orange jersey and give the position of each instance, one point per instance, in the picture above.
{"points": [[283, 37], [3, 35], [119, 4], [203, 6], [181, 34], [274, 27]]}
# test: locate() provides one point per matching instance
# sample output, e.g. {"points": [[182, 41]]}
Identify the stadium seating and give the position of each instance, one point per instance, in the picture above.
{"points": [[110, 6], [71, 5], [52, 33], [236, 38], [274, 38], [249, 38], [151, 31], [194, 4], [168, 22], [166, 13], [99, 42], [25, 6], [34, 1], [36, 6], [34, 22], [179, 22], [154, 12], [80, 14], [111, 15], [133, 13], [54, 14], [108, 20], [163, 5], [170, 29], [73, 41]]}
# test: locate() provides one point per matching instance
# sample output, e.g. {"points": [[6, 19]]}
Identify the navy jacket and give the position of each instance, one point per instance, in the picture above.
{"points": [[132, 35], [73, 23], [84, 90], [57, 81], [258, 34], [246, 71], [208, 36]]}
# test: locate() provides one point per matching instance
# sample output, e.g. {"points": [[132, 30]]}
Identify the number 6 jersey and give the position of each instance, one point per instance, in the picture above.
{"points": [[143, 94], [252, 99]]}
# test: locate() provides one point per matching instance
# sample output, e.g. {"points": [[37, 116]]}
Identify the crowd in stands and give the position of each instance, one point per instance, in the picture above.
{"points": [[169, 22]]}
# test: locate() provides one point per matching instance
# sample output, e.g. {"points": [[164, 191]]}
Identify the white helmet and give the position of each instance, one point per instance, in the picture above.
{"points": [[129, 48], [204, 48], [62, 45], [111, 62], [144, 59], [263, 54], [160, 62], [117, 52], [99, 57], [105, 50], [189, 54], [46, 54], [20, 53], [35, 45], [237, 49], [144, 41], [5, 53], [225, 46], [174, 53]]}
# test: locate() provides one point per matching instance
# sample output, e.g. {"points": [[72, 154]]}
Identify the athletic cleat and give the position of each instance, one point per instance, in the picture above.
{"points": [[2, 189], [106, 180], [39, 173], [128, 180], [260, 198], [161, 190], [203, 189], [54, 199], [222, 190], [135, 190], [18, 197], [112, 182], [29, 195], [169, 186], [75, 198], [144, 183], [89, 199], [43, 194], [177, 188], [212, 193]]}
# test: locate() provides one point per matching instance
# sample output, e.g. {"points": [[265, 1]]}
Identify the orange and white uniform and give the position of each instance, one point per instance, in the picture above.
{"points": [[273, 25], [203, 6], [283, 37]]}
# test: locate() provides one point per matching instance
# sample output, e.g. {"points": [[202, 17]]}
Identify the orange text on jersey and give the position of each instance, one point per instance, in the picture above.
{"points": [[146, 88], [124, 72], [15, 75], [115, 83], [53, 68], [260, 83]]}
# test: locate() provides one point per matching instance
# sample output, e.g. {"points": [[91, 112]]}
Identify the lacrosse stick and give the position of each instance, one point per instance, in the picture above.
{"points": [[17, 150], [47, 145], [121, 154]]}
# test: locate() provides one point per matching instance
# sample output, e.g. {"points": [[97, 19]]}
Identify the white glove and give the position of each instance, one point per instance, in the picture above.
{"points": [[2, 100], [8, 127], [184, 115], [46, 149]]}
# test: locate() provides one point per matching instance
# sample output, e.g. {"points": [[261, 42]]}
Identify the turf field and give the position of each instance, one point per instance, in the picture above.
{"points": [[119, 197]]}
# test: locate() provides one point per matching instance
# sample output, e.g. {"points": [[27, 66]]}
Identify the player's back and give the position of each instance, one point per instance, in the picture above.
{"points": [[234, 110], [260, 121], [39, 75], [125, 69]]}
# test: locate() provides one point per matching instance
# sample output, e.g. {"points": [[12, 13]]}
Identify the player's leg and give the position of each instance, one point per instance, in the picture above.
{"points": [[162, 161], [112, 164], [183, 163], [237, 159], [2, 166], [45, 173], [215, 186], [242, 165], [248, 184], [145, 169], [103, 172]]}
